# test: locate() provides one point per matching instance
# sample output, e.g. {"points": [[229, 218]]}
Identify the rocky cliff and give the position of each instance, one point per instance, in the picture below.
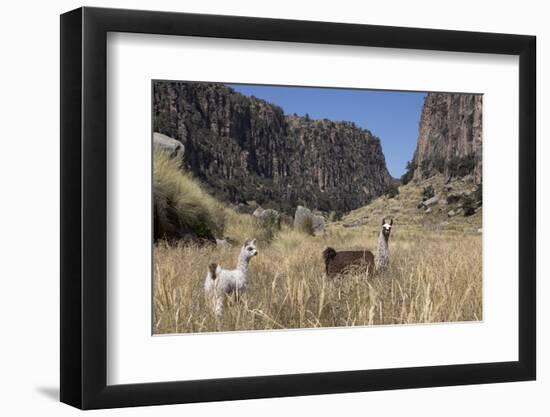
{"points": [[449, 137], [244, 148]]}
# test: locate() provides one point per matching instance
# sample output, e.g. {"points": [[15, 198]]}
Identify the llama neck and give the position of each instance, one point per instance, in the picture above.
{"points": [[382, 240], [242, 263], [383, 252]]}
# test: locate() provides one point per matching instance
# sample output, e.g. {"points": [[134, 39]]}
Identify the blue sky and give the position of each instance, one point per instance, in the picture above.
{"points": [[393, 116]]}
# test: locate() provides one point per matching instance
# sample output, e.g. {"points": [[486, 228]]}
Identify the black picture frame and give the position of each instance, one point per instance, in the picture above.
{"points": [[84, 207]]}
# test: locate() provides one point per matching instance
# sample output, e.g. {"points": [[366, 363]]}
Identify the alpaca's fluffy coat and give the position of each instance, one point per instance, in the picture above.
{"points": [[220, 282]]}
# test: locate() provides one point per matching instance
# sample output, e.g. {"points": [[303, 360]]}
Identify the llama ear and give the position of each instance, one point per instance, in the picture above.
{"points": [[253, 242], [246, 242], [391, 222], [383, 222]]}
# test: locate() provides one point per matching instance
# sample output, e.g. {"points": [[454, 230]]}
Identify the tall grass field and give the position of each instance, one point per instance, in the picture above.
{"points": [[435, 275]]}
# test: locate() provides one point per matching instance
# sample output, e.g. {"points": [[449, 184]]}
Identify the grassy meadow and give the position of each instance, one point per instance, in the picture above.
{"points": [[434, 276], [435, 272]]}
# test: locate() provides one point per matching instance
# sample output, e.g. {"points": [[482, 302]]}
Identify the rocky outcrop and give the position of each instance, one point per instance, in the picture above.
{"points": [[244, 148], [430, 202], [318, 224], [174, 147], [268, 221], [358, 222], [303, 219], [449, 137], [308, 222]]}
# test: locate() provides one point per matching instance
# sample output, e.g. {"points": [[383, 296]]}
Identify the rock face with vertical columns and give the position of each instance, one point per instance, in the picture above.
{"points": [[450, 137], [243, 148]]}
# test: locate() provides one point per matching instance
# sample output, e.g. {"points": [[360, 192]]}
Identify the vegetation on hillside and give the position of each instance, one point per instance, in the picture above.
{"points": [[409, 173], [428, 192], [392, 191], [405, 207], [181, 206]]}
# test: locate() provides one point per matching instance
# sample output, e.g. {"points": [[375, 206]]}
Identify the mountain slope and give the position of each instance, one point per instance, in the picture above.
{"points": [[449, 137], [244, 148]]}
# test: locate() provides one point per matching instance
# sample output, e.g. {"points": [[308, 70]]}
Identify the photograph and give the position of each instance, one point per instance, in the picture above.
{"points": [[289, 207]]}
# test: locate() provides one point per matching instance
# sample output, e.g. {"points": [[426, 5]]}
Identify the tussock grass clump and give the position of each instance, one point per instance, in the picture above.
{"points": [[307, 226], [240, 227], [181, 206]]}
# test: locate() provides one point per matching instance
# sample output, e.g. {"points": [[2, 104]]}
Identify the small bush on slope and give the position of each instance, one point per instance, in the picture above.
{"points": [[428, 192]]}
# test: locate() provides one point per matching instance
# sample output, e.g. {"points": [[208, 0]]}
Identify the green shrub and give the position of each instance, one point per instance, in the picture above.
{"points": [[181, 206], [392, 191], [408, 175], [469, 206], [438, 164], [478, 194], [427, 193], [461, 166], [336, 215], [473, 201]]}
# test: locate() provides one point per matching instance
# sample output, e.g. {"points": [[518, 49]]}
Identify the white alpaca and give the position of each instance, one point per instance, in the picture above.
{"points": [[382, 257], [220, 282]]}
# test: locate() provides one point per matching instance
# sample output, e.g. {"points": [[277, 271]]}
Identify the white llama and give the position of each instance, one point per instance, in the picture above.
{"points": [[382, 258], [220, 282]]}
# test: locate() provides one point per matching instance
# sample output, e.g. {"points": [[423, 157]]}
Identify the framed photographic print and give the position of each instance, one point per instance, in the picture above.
{"points": [[258, 207]]}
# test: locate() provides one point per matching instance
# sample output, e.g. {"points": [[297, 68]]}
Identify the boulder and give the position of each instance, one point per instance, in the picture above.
{"points": [[174, 147], [258, 212], [455, 212], [358, 222], [223, 243], [303, 219], [318, 225], [269, 222], [454, 198], [286, 219], [245, 208], [252, 203], [431, 202], [267, 218]]}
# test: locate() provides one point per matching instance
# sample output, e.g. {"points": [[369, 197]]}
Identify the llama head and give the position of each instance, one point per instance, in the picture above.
{"points": [[249, 249], [328, 254], [386, 227]]}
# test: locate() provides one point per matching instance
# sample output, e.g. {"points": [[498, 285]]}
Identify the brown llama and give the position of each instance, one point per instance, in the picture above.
{"points": [[337, 263]]}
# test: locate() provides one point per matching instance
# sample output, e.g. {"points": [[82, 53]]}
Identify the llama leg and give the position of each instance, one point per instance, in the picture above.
{"points": [[218, 306]]}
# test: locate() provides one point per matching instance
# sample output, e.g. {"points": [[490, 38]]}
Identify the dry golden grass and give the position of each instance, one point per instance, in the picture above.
{"points": [[180, 201], [434, 276], [404, 207]]}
